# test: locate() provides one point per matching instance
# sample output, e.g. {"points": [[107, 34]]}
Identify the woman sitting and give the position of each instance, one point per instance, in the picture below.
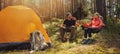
{"points": [[94, 26]]}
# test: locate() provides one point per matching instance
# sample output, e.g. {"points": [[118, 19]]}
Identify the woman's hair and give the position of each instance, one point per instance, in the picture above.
{"points": [[96, 14]]}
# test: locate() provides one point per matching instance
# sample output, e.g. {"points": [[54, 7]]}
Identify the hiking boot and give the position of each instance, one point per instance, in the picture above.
{"points": [[89, 41], [84, 41]]}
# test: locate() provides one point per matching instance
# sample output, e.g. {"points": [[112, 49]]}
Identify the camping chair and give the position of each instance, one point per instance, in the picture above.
{"points": [[95, 31], [68, 33]]}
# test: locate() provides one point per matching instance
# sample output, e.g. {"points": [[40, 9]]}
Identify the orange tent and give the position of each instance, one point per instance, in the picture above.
{"points": [[16, 24]]}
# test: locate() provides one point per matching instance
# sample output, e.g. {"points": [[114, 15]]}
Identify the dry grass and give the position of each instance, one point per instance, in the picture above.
{"points": [[106, 43]]}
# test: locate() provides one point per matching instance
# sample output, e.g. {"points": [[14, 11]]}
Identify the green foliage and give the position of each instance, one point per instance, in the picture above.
{"points": [[112, 27], [106, 41], [118, 9]]}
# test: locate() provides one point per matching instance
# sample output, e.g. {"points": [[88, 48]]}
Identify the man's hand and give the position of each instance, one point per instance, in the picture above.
{"points": [[83, 22], [62, 26], [77, 24]]}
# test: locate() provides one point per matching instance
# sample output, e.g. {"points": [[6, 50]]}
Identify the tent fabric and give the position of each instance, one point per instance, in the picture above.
{"points": [[17, 22]]}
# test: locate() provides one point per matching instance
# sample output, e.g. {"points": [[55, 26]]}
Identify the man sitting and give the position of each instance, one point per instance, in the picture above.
{"points": [[69, 25], [95, 25]]}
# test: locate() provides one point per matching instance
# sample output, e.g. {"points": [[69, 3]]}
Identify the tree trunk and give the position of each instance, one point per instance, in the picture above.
{"points": [[101, 8]]}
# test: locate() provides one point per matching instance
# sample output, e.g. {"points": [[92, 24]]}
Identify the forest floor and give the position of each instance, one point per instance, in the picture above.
{"points": [[106, 42]]}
